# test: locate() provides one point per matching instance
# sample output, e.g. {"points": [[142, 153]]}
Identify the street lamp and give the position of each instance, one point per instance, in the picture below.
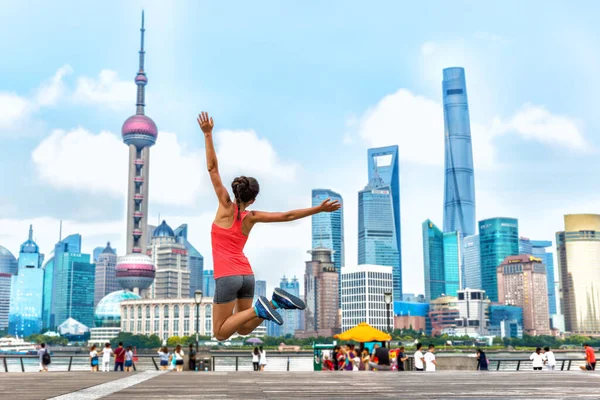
{"points": [[198, 300], [387, 298]]}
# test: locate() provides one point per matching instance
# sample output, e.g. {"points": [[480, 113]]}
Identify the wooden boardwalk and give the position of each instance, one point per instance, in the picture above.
{"points": [[456, 385]]}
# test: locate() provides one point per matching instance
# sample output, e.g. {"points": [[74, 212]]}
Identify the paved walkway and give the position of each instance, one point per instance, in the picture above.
{"points": [[302, 385]]}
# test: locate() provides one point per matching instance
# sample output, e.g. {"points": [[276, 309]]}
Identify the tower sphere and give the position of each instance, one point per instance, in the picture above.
{"points": [[135, 271], [140, 131]]}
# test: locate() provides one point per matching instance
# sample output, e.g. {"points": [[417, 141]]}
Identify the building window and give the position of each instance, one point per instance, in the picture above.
{"points": [[156, 312], [156, 327], [176, 320], [450, 92]]}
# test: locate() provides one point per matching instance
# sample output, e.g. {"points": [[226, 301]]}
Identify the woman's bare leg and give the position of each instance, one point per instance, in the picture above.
{"points": [[250, 326], [226, 323]]}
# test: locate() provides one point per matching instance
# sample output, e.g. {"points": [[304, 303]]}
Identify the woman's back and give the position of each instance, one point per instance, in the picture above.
{"points": [[228, 248]]}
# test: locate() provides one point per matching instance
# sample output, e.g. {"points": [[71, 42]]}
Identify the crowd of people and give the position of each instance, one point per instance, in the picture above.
{"points": [[123, 358]]}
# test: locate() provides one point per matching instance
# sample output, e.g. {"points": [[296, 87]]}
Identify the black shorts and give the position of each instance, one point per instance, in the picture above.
{"points": [[230, 288], [178, 362]]}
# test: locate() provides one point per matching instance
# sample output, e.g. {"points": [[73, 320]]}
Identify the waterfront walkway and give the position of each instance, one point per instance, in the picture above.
{"points": [[313, 385]]}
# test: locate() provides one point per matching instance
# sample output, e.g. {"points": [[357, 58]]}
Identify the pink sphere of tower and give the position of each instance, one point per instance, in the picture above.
{"points": [[135, 271], [140, 131]]}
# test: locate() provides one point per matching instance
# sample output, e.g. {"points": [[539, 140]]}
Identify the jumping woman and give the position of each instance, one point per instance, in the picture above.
{"points": [[234, 280]]}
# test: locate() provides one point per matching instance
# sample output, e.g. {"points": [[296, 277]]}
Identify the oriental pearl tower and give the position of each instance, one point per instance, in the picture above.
{"points": [[135, 271]]}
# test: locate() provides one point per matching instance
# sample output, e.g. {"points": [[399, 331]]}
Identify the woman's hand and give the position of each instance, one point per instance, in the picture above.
{"points": [[329, 206], [206, 123]]}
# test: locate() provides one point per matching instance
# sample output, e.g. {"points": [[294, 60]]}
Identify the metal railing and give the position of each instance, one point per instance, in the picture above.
{"points": [[519, 364]]}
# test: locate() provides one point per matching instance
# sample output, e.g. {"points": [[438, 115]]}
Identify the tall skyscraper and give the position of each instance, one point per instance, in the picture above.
{"points": [[328, 228], [135, 270], [379, 234], [538, 248], [47, 314], [441, 258], [320, 294], [26, 291], [472, 313], [96, 253], [291, 318], [472, 262], [171, 260], [522, 282], [498, 239], [5, 282], [363, 289], [578, 255], [106, 277], [506, 321], [267, 327], [195, 261], [73, 297], [208, 286], [459, 184], [8, 262]]}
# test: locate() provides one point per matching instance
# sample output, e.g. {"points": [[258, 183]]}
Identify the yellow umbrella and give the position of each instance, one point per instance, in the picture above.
{"points": [[364, 332]]}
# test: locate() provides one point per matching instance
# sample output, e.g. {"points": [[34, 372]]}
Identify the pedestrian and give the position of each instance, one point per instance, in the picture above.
{"points": [[419, 359], [119, 357], [365, 358], [44, 357], [341, 359], [549, 359], [350, 356], [192, 358], [482, 361], [263, 358], [234, 279], [129, 359], [94, 359], [255, 358], [590, 358], [380, 360], [537, 360], [401, 358], [334, 357], [163, 353], [178, 357], [430, 362], [107, 352]]}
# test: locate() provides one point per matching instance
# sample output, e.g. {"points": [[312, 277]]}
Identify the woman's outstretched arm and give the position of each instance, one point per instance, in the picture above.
{"points": [[262, 216], [206, 124]]}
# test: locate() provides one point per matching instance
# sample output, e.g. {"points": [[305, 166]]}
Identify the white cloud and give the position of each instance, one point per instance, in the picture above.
{"points": [[65, 160], [14, 110], [106, 90], [50, 92]]}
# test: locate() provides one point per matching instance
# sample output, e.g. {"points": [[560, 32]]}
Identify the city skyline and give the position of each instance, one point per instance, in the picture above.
{"points": [[525, 136]]}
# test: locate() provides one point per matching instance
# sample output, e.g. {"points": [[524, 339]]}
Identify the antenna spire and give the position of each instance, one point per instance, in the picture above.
{"points": [[30, 232], [141, 80]]}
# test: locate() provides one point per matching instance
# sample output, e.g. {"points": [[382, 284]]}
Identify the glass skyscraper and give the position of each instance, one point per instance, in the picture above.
{"points": [[379, 235], [328, 228], [538, 248], [472, 262], [498, 239], [291, 318], [506, 321], [47, 316], [208, 286], [73, 294], [8, 262], [195, 261], [441, 256], [459, 184], [26, 294]]}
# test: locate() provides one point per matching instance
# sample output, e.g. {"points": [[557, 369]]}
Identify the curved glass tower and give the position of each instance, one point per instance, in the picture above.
{"points": [[459, 185]]}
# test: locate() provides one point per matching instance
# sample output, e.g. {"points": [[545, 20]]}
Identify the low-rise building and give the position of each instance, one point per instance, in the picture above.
{"points": [[443, 313], [473, 319]]}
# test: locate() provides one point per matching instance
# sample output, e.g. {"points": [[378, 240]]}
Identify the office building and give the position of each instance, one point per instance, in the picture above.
{"points": [[441, 258], [321, 316], [291, 318], [498, 239], [506, 321], [473, 318], [328, 228], [106, 275], [26, 291], [537, 248], [260, 289], [96, 253], [522, 283], [170, 257], [195, 261], [459, 184], [135, 270], [8, 262], [5, 282], [413, 298], [472, 262], [578, 255], [166, 317], [363, 289], [73, 294], [443, 313], [208, 287], [411, 315], [379, 234]]}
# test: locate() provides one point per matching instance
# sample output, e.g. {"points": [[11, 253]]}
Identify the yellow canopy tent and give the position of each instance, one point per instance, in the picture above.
{"points": [[364, 332]]}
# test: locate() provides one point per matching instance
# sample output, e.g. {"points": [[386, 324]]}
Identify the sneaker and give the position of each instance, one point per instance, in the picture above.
{"points": [[283, 299], [265, 310]]}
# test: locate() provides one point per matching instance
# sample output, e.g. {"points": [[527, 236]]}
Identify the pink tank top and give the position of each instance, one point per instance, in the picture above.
{"points": [[228, 249]]}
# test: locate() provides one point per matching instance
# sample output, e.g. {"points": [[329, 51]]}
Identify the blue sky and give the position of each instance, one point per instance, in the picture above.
{"points": [[299, 91]]}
